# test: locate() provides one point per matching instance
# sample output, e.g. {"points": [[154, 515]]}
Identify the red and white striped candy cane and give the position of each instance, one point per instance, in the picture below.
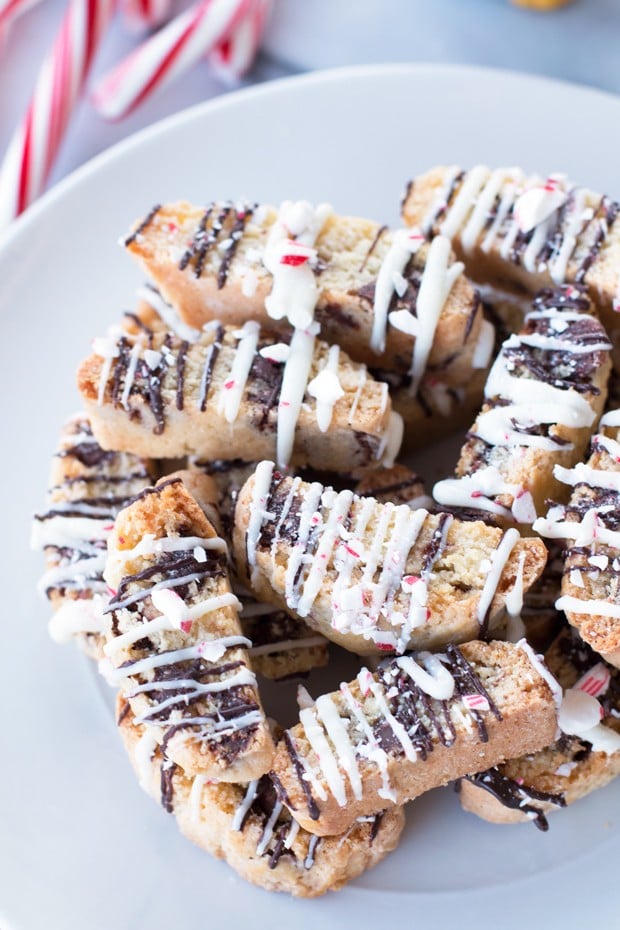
{"points": [[34, 146], [11, 9], [232, 58], [145, 14], [168, 54]]}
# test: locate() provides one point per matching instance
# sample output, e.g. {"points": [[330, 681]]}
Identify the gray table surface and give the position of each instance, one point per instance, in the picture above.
{"points": [[579, 43]]}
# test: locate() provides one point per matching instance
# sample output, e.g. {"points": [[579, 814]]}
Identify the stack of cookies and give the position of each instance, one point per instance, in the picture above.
{"points": [[229, 508]]}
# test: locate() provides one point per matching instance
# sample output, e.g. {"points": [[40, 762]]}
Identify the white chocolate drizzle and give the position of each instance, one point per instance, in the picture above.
{"points": [[289, 256], [234, 386], [294, 382]]}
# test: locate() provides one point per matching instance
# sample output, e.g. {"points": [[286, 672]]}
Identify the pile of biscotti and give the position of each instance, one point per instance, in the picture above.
{"points": [[231, 506]]}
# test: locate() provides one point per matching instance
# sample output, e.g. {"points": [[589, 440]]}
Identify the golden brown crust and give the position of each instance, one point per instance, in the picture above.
{"points": [[454, 587], [594, 258], [350, 250], [528, 722], [204, 814], [179, 417], [568, 769], [193, 659]]}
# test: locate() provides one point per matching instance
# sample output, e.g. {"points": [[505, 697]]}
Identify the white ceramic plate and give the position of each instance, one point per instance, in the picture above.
{"points": [[82, 848]]}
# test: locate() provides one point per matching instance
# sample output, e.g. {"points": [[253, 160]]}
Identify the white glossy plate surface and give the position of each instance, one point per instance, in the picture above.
{"points": [[81, 847]]}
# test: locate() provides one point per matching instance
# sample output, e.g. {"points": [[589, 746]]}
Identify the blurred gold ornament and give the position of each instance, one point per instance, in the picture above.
{"points": [[541, 4]]}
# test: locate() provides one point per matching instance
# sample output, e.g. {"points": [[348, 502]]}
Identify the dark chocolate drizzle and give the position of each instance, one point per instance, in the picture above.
{"points": [[236, 233], [514, 796], [372, 247], [146, 222], [313, 808]]}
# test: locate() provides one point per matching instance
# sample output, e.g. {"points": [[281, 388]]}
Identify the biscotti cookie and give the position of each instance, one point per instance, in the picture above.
{"points": [[388, 298], [546, 389], [419, 722], [574, 765], [589, 524], [281, 646], [175, 640], [237, 391], [373, 576], [523, 233], [87, 488], [248, 827]]}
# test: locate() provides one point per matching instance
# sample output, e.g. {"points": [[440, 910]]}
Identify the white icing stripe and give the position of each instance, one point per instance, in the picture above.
{"points": [[312, 584], [437, 281], [435, 679], [327, 713], [153, 545], [260, 492], [289, 256], [578, 217], [440, 201], [294, 383], [398, 729], [292, 834], [585, 474], [506, 203], [501, 383], [69, 532], [405, 243], [157, 625], [611, 446], [371, 750], [471, 187], [192, 689], [555, 343], [327, 761], [195, 796], [244, 807], [326, 389], [482, 210], [140, 666], [268, 830], [539, 664], [142, 593], [308, 514], [233, 387], [134, 357], [594, 607], [499, 558], [497, 425], [83, 572], [584, 532], [363, 376], [611, 418]]}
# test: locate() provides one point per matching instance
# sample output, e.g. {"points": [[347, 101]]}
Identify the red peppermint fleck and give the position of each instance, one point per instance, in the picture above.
{"points": [[284, 403], [111, 591], [121, 540], [476, 493], [186, 625], [385, 647], [351, 551], [172, 227], [229, 384], [294, 260], [428, 614]]}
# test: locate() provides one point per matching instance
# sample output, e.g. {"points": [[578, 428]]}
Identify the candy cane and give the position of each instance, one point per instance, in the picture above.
{"points": [[145, 14], [11, 9], [167, 55], [34, 146], [232, 58]]}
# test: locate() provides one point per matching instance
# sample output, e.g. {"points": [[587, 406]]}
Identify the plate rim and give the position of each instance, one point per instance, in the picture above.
{"points": [[20, 226]]}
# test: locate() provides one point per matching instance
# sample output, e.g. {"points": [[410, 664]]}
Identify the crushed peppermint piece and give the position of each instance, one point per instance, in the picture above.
{"points": [[200, 554], [277, 353], [152, 358], [538, 203]]}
